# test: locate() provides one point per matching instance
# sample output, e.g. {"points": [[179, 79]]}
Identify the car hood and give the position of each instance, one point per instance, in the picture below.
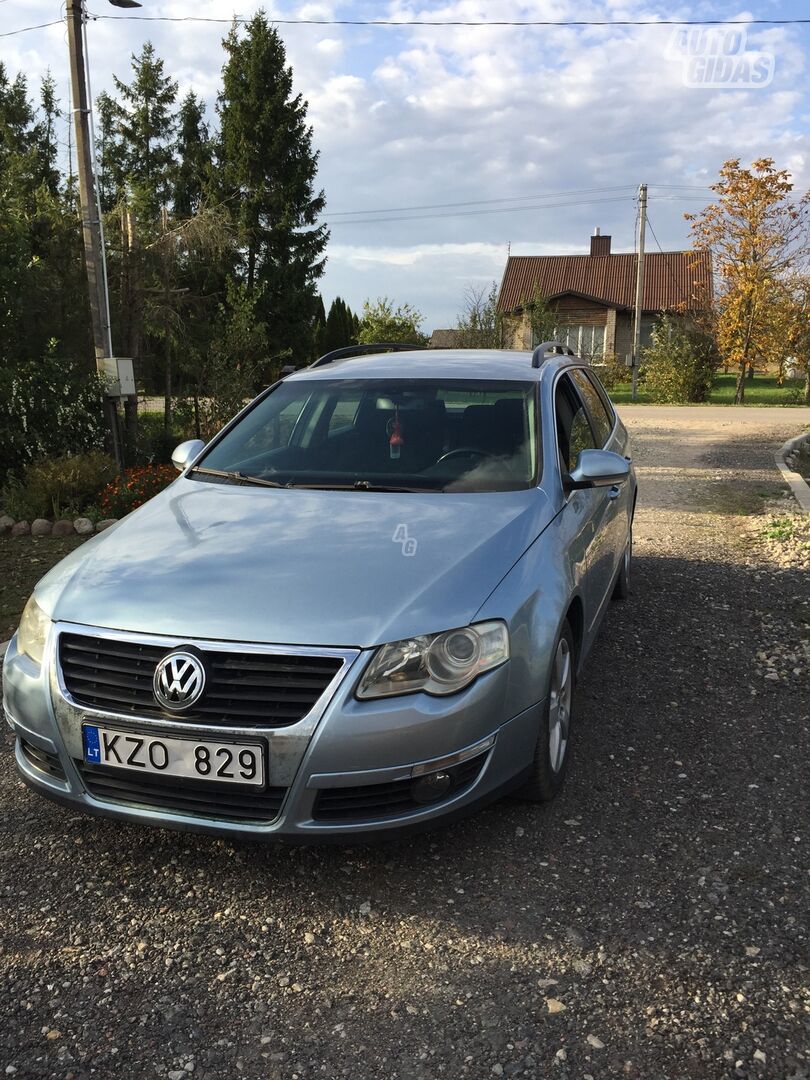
{"points": [[239, 563]]}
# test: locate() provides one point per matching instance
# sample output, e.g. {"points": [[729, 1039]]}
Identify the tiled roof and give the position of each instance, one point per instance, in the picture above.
{"points": [[672, 280], [444, 339]]}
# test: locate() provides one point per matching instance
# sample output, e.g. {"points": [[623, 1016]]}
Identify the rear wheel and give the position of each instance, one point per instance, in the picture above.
{"points": [[551, 752], [621, 590]]}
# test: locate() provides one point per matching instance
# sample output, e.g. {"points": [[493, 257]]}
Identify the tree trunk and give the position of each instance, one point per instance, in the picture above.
{"points": [[807, 386], [739, 394], [167, 394]]}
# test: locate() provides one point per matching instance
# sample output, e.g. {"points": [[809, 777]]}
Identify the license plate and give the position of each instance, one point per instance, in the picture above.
{"points": [[193, 759]]}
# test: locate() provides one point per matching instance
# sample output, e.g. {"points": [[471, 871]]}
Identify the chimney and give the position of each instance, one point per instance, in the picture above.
{"points": [[600, 245]]}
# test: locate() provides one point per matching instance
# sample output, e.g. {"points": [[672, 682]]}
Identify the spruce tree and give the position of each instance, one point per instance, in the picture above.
{"points": [[268, 168], [319, 328], [147, 123], [334, 333], [110, 153], [45, 137], [194, 154]]}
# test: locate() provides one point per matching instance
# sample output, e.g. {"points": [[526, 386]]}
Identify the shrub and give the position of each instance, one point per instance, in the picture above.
{"points": [[127, 493], [50, 405], [612, 370], [680, 364], [54, 487], [154, 446]]}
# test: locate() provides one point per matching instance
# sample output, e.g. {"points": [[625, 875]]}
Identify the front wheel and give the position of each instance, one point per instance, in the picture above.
{"points": [[551, 752]]}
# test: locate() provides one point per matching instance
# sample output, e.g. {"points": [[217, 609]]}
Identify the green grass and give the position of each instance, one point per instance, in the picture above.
{"points": [[761, 390]]}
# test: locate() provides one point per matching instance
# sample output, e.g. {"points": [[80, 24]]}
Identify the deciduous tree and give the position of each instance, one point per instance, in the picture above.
{"points": [[479, 324], [381, 321], [758, 236]]}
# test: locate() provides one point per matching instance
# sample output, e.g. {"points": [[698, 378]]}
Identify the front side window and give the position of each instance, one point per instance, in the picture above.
{"points": [[399, 434]]}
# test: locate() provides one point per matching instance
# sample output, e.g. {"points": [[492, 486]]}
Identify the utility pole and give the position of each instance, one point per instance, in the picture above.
{"points": [[642, 233], [91, 221]]}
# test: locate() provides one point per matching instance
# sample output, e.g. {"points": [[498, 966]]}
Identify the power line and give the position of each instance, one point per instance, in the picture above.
{"points": [[25, 29], [480, 213], [526, 207], [480, 202], [405, 23], [468, 22]]}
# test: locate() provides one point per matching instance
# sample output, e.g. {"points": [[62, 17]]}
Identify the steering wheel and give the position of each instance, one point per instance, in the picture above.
{"points": [[465, 450]]}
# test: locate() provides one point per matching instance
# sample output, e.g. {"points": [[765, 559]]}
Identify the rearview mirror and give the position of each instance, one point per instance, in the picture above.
{"points": [[598, 468], [185, 453]]}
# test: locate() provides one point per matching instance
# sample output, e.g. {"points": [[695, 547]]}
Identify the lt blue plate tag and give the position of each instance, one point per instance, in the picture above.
{"points": [[92, 747]]}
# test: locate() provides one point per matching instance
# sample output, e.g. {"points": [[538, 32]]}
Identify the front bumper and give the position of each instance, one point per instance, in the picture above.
{"points": [[344, 770]]}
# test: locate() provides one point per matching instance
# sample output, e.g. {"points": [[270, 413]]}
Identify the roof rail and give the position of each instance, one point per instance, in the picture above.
{"points": [[542, 351], [362, 350]]}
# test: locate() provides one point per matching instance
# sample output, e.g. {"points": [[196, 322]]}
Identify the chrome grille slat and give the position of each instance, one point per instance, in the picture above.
{"points": [[248, 690]]}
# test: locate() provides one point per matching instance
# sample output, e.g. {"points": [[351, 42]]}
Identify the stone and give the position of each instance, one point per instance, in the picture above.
{"points": [[83, 526], [63, 528], [554, 1005], [105, 524], [41, 527], [6, 524], [21, 528], [596, 1043]]}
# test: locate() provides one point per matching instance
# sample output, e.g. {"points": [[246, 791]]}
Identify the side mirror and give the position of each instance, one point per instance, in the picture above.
{"points": [[598, 468], [185, 453]]}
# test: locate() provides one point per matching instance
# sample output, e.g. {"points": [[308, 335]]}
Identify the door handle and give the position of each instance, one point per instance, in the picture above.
{"points": [[613, 493]]}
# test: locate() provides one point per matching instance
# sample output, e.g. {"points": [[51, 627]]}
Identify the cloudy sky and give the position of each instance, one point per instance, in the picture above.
{"points": [[442, 146]]}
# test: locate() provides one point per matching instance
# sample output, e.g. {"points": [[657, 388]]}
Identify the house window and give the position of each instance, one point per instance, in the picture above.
{"points": [[647, 325], [584, 339]]}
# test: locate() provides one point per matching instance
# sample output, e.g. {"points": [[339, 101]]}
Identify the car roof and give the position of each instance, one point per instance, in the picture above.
{"points": [[480, 365]]}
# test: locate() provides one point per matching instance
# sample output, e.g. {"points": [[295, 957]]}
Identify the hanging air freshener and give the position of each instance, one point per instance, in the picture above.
{"points": [[396, 441]]}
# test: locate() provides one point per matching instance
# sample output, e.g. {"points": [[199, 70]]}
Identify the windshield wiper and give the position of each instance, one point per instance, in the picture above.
{"points": [[363, 485], [242, 478]]}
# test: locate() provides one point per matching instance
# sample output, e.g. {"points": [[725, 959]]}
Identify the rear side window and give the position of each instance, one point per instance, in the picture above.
{"points": [[603, 394], [602, 423]]}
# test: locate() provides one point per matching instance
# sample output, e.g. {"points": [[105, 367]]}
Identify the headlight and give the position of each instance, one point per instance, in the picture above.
{"points": [[33, 630], [438, 664]]}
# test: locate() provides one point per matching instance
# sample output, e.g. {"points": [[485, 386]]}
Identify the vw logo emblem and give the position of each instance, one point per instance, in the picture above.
{"points": [[179, 681]]}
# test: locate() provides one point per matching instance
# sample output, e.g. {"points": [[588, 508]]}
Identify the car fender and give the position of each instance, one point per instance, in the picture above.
{"points": [[534, 599]]}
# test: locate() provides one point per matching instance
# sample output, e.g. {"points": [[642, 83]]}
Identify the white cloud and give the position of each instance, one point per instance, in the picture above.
{"points": [[424, 116]]}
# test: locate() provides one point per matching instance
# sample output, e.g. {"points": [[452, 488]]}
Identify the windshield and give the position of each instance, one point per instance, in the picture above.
{"points": [[389, 434]]}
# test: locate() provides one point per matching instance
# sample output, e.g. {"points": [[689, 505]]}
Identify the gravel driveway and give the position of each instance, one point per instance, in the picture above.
{"points": [[652, 923]]}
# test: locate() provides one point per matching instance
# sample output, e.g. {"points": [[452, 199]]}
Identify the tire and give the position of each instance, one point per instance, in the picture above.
{"points": [[554, 737], [621, 590]]}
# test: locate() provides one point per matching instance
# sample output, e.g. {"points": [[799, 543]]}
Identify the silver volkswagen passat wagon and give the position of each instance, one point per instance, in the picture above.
{"points": [[361, 608]]}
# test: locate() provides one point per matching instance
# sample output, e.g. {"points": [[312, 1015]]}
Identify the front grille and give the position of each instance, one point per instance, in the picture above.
{"points": [[185, 796], [243, 688], [375, 801], [47, 763]]}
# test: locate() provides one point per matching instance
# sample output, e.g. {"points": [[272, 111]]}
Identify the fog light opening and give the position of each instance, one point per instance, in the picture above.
{"points": [[431, 788]]}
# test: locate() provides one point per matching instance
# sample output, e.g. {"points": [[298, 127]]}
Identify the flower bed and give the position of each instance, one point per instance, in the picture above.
{"points": [[127, 493]]}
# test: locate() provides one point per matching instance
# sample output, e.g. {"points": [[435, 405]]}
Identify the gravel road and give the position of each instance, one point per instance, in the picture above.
{"points": [[652, 923]]}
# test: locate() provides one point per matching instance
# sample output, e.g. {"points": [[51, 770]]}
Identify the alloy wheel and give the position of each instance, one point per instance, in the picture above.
{"points": [[559, 713]]}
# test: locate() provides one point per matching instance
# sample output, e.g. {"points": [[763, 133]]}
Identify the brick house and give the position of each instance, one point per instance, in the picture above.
{"points": [[594, 295]]}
